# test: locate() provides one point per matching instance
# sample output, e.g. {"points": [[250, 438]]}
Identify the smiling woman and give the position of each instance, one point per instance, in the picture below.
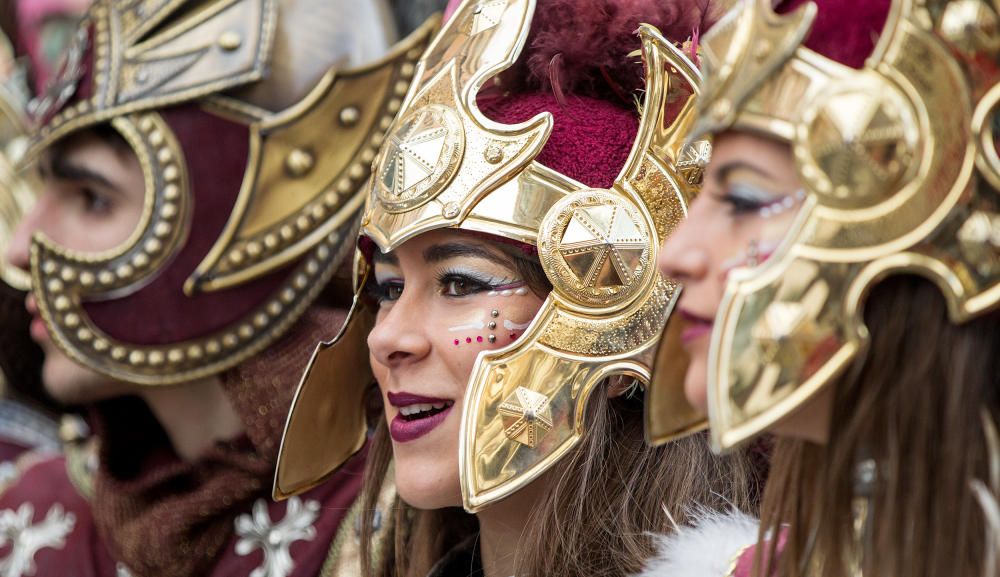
{"points": [[510, 240]]}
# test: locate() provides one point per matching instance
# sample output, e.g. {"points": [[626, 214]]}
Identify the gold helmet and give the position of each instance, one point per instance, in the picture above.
{"points": [[446, 165], [255, 123], [15, 191], [900, 174]]}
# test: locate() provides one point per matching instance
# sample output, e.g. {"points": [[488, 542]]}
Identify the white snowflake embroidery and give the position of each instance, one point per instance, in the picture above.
{"points": [[27, 539], [258, 531]]}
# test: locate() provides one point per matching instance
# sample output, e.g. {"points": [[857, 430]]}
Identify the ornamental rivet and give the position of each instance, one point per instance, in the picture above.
{"points": [[171, 192], [331, 198], [494, 313], [229, 340], [84, 335], [156, 358], [140, 261], [394, 105], [350, 116], [301, 282], [492, 338], [406, 69], [246, 331], [55, 285], [274, 308], [212, 347], [451, 210], [721, 109], [68, 274], [253, 249], [401, 87], [164, 155], [124, 271], [105, 277], [194, 351], [312, 267], [49, 267], [161, 229], [344, 185], [271, 241], [153, 246], [236, 256], [100, 345], [260, 321], [175, 356], [302, 223], [118, 353], [493, 154], [61, 303], [155, 137], [367, 156], [72, 320], [168, 210], [299, 163], [318, 211], [357, 171], [230, 41], [492, 325], [323, 252], [286, 232], [136, 358], [86, 279]]}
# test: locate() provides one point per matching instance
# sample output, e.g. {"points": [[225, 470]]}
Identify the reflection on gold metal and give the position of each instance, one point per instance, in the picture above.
{"points": [[888, 156], [328, 406], [526, 416]]}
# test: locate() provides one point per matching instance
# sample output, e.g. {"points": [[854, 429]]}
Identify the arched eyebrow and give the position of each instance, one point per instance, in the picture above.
{"points": [[444, 251], [723, 173]]}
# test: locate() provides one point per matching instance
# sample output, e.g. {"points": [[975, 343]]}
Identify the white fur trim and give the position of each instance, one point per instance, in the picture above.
{"points": [[706, 549]]}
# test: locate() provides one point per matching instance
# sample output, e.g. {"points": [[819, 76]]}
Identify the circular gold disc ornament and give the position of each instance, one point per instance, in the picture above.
{"points": [[860, 143], [596, 247], [421, 158]]}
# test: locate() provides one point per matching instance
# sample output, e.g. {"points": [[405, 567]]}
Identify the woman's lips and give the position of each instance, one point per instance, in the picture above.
{"points": [[408, 427], [695, 327]]}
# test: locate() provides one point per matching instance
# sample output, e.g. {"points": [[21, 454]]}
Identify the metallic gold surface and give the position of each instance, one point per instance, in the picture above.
{"points": [[292, 210], [328, 406], [16, 194], [445, 165], [899, 164]]}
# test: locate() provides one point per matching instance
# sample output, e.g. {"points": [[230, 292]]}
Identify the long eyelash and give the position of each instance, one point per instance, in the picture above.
{"points": [[378, 291], [485, 282], [744, 198]]}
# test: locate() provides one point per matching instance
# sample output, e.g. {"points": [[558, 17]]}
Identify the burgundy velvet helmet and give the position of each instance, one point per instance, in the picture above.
{"points": [[255, 123]]}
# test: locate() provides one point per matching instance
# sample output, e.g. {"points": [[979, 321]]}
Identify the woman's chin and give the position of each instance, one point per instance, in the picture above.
{"points": [[696, 384]]}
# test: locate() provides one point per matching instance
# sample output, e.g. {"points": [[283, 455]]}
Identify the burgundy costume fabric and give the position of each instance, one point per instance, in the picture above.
{"points": [[154, 515]]}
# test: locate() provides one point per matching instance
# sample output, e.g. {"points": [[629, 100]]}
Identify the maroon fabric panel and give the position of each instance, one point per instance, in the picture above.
{"points": [[845, 30], [215, 151], [590, 141]]}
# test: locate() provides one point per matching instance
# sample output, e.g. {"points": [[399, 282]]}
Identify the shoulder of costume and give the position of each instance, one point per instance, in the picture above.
{"points": [[710, 547]]}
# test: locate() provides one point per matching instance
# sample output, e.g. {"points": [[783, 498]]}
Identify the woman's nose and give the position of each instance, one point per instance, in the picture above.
{"points": [[400, 333], [684, 257]]}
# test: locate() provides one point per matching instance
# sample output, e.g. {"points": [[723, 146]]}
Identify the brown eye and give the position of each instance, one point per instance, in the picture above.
{"points": [[459, 287]]}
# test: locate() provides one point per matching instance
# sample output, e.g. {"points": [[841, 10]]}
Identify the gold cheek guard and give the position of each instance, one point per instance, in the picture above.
{"points": [[16, 193], [900, 169], [445, 165]]}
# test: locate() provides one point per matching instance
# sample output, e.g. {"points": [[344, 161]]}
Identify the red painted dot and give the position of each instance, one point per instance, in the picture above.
{"points": [[513, 336], [456, 342], [468, 339], [479, 339]]}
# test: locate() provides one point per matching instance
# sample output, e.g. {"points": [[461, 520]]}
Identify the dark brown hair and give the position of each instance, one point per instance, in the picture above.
{"points": [[604, 501], [913, 405]]}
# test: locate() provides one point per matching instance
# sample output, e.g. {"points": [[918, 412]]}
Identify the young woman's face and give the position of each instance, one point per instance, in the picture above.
{"points": [[750, 198], [444, 296], [91, 199]]}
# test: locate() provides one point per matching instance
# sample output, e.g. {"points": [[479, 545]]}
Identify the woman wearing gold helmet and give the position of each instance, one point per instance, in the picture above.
{"points": [[510, 241], [840, 281]]}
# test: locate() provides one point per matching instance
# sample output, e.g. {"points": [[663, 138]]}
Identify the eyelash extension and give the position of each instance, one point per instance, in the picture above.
{"points": [[745, 198], [379, 292], [477, 281]]}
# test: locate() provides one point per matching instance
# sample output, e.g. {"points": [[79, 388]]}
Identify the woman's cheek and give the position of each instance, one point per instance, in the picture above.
{"points": [[495, 321]]}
